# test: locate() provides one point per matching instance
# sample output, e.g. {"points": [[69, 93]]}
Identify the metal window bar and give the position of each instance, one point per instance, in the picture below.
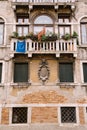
{"points": [[68, 114], [19, 115]]}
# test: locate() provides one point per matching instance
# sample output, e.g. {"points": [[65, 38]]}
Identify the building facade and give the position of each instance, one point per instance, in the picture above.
{"points": [[43, 64]]}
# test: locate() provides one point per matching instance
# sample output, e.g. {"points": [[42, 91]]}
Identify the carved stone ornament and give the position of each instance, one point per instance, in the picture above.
{"points": [[43, 71]]}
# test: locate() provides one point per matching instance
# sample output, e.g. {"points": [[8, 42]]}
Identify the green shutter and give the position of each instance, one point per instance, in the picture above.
{"points": [[85, 71], [66, 72], [21, 72], [0, 72]]}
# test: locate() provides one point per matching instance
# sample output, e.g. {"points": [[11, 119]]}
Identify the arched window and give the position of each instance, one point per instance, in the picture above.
{"points": [[43, 21], [1, 31], [83, 24]]}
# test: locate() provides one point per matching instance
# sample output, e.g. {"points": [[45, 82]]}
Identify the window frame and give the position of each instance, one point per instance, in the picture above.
{"points": [[72, 71], [83, 21], [2, 23], [28, 114], [68, 124], [22, 28], [64, 27], [27, 73], [64, 24], [3, 72], [43, 25], [19, 112], [82, 74]]}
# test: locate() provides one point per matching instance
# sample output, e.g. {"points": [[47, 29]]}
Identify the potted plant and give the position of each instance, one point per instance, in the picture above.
{"points": [[32, 36], [67, 36], [74, 35]]}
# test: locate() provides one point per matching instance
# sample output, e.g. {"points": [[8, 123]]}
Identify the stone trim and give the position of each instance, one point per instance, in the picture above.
{"points": [[58, 106]]}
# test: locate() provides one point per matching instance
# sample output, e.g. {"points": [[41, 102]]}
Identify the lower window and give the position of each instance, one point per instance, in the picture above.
{"points": [[19, 115], [68, 115]]}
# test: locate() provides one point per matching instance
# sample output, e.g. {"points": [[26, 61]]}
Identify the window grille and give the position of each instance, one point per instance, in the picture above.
{"points": [[68, 114], [19, 115]]}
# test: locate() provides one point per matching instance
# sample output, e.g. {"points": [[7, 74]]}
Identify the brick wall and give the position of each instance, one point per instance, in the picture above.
{"points": [[81, 115], [44, 97], [44, 115], [5, 116]]}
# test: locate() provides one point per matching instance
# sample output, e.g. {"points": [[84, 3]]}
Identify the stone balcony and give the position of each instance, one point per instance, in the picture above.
{"points": [[46, 47], [45, 1], [55, 3]]}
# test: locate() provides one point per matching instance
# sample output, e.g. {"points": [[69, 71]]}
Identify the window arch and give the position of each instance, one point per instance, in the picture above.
{"points": [[83, 24], [43, 21], [1, 31]]}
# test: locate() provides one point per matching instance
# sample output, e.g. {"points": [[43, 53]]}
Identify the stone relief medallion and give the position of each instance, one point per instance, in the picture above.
{"points": [[43, 71]]}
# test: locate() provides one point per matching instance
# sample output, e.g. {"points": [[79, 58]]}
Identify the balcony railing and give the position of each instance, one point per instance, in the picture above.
{"points": [[44, 1], [47, 47]]}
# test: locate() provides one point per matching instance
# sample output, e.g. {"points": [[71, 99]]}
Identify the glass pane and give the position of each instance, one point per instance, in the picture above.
{"points": [[25, 31], [66, 20], [1, 33], [20, 20], [43, 20], [84, 33], [19, 31], [60, 20], [67, 30], [61, 31], [26, 20], [37, 29]]}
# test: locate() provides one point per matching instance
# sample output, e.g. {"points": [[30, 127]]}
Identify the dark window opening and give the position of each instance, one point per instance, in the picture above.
{"points": [[19, 115], [21, 72], [66, 72], [85, 72], [1, 31], [68, 114], [0, 72]]}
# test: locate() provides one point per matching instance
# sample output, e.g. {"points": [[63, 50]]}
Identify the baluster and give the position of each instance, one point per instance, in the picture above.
{"points": [[70, 45], [57, 45], [64, 46], [50, 46], [74, 45], [53, 45]]}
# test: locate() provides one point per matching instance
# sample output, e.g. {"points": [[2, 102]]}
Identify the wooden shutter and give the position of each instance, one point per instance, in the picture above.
{"points": [[85, 71], [66, 72], [21, 72], [0, 72]]}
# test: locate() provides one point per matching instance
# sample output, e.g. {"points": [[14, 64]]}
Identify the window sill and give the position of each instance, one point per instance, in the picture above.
{"points": [[68, 124], [84, 84], [82, 45], [1, 85], [21, 84], [66, 85]]}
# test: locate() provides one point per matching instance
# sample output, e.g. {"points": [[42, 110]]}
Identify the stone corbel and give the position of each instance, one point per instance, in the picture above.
{"points": [[56, 7], [30, 7], [73, 7], [14, 7]]}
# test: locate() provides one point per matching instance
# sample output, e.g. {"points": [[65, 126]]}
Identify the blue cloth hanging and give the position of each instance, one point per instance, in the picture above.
{"points": [[21, 46]]}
